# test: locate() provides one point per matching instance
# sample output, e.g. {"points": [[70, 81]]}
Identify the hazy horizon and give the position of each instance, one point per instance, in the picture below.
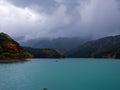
{"points": [[60, 18]]}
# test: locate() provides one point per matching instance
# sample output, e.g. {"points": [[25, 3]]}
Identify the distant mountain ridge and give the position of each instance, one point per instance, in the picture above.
{"points": [[63, 44], [108, 47]]}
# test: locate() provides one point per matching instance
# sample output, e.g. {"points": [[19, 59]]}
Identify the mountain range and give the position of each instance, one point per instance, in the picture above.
{"points": [[63, 44], [12, 51], [107, 47]]}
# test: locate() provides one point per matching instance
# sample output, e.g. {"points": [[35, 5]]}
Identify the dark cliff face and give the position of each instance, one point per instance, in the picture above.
{"points": [[10, 49], [108, 47], [45, 53]]}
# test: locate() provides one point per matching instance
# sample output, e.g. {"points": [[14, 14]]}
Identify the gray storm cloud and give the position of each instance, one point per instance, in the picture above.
{"points": [[60, 18]]}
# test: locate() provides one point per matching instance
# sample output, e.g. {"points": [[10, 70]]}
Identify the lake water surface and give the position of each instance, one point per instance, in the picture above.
{"points": [[61, 74]]}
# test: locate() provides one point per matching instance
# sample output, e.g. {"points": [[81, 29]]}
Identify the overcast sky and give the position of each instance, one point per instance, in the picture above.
{"points": [[60, 18]]}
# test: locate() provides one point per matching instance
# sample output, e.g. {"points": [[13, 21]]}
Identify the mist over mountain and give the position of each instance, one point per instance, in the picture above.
{"points": [[60, 18], [62, 44], [107, 47], [45, 23]]}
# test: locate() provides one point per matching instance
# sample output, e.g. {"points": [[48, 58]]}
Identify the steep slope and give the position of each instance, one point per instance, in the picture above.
{"points": [[108, 47], [45, 53], [11, 50]]}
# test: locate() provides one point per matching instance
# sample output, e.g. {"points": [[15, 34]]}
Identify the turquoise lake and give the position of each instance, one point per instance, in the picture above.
{"points": [[61, 74]]}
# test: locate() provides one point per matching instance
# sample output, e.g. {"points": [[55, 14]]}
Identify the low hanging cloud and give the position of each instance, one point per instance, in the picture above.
{"points": [[60, 18]]}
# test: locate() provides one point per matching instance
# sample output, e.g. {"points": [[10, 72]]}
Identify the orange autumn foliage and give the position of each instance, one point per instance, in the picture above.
{"points": [[13, 47]]}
